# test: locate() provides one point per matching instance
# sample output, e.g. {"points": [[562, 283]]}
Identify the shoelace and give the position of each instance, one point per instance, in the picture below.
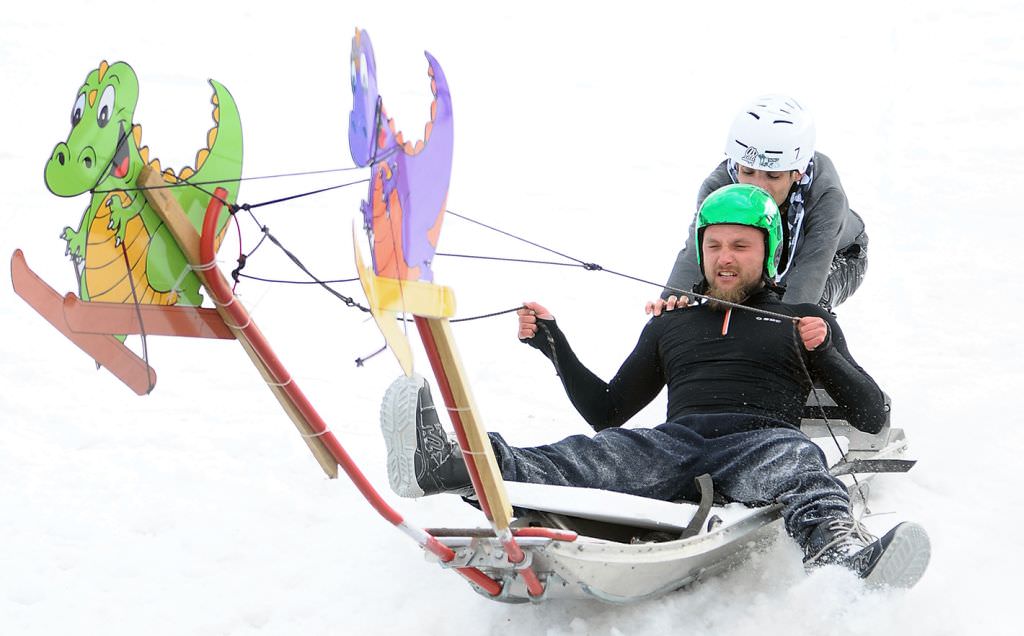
{"points": [[433, 439], [849, 533]]}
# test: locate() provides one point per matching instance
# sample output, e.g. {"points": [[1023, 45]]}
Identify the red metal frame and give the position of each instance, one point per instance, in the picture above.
{"points": [[547, 533], [221, 292]]}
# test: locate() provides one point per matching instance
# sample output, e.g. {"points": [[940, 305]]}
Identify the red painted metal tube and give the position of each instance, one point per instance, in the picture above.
{"points": [[223, 296], [449, 399], [546, 533], [508, 541], [485, 582]]}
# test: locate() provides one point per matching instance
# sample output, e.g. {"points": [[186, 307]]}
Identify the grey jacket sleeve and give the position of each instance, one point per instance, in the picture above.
{"points": [[826, 224], [686, 273]]}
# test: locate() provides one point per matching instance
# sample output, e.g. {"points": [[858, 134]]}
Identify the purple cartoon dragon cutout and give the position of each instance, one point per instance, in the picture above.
{"points": [[409, 181]]}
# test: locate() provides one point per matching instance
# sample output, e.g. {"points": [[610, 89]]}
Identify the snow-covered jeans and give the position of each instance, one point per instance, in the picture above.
{"points": [[748, 463], [845, 275]]}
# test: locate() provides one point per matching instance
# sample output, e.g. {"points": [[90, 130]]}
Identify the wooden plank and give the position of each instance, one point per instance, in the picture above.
{"points": [[157, 320], [184, 232], [476, 434], [414, 297]]}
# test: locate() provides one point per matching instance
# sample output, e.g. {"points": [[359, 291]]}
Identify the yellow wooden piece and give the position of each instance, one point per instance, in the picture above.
{"points": [[476, 435], [386, 321], [414, 297], [169, 210]]}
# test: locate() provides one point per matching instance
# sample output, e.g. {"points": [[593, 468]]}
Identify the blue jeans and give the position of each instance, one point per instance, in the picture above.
{"points": [[752, 460]]}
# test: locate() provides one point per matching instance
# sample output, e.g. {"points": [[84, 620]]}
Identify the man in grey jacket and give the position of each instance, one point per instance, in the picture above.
{"points": [[771, 145]]}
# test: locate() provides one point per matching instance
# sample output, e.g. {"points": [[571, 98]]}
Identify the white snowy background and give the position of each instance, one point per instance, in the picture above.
{"points": [[586, 127]]}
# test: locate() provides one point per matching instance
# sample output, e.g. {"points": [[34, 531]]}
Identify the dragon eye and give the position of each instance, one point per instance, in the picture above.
{"points": [[364, 71], [76, 111], [106, 107]]}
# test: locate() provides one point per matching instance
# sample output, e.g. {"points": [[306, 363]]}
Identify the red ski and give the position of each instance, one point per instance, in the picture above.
{"points": [[105, 349]]}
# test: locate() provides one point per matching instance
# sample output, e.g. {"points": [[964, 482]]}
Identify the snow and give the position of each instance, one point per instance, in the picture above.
{"points": [[582, 126]]}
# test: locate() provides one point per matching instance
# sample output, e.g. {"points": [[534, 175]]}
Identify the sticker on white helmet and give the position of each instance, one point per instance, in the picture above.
{"points": [[760, 160]]}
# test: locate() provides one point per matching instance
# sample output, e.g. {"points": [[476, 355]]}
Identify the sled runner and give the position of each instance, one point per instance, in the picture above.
{"points": [[882, 452]]}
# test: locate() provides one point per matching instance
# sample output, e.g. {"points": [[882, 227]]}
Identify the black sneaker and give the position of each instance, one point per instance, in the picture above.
{"points": [[421, 459], [898, 559]]}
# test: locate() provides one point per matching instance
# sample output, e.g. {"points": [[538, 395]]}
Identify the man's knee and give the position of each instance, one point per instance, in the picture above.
{"points": [[845, 276]]}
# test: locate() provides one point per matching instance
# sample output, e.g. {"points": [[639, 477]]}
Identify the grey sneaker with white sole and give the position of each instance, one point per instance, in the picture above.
{"points": [[422, 460]]}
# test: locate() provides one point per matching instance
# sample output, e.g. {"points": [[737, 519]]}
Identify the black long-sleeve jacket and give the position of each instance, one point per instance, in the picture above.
{"points": [[716, 361]]}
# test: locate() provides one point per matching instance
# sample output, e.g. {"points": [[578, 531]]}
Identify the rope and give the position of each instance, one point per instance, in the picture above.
{"points": [[138, 313], [467, 319], [241, 255], [361, 361], [551, 342], [598, 268], [518, 238], [509, 260], [798, 343], [345, 299], [490, 315], [184, 182], [295, 282], [250, 206]]}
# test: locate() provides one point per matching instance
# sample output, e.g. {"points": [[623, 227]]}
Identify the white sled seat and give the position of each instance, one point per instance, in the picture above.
{"points": [[614, 507]]}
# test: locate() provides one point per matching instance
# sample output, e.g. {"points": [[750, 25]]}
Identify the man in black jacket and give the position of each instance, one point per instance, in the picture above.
{"points": [[738, 369]]}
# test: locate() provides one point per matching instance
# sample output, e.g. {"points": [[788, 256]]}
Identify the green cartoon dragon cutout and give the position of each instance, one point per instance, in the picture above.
{"points": [[122, 251]]}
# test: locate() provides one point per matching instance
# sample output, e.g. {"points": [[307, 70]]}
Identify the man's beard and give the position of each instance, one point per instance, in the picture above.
{"points": [[735, 295]]}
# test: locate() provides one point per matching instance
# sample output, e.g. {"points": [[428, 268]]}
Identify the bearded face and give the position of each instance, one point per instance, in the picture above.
{"points": [[733, 260]]}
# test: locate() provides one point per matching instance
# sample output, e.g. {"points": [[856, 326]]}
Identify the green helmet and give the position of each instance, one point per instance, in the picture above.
{"points": [[744, 204]]}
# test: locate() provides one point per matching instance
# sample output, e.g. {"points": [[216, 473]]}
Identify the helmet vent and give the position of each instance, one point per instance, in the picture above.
{"points": [[754, 115], [782, 121]]}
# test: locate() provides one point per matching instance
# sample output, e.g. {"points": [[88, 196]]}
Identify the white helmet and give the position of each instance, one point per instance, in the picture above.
{"points": [[774, 133]]}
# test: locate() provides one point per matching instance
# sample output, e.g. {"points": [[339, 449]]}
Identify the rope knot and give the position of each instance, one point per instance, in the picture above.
{"points": [[241, 264], [592, 267]]}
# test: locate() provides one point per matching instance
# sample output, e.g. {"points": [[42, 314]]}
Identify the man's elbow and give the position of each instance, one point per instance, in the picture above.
{"points": [[870, 421]]}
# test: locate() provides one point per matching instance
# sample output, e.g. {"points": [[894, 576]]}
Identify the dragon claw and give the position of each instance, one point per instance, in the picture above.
{"points": [[75, 244]]}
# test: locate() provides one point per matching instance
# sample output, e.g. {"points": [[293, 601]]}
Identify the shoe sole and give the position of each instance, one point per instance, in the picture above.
{"points": [[398, 424], [905, 559]]}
